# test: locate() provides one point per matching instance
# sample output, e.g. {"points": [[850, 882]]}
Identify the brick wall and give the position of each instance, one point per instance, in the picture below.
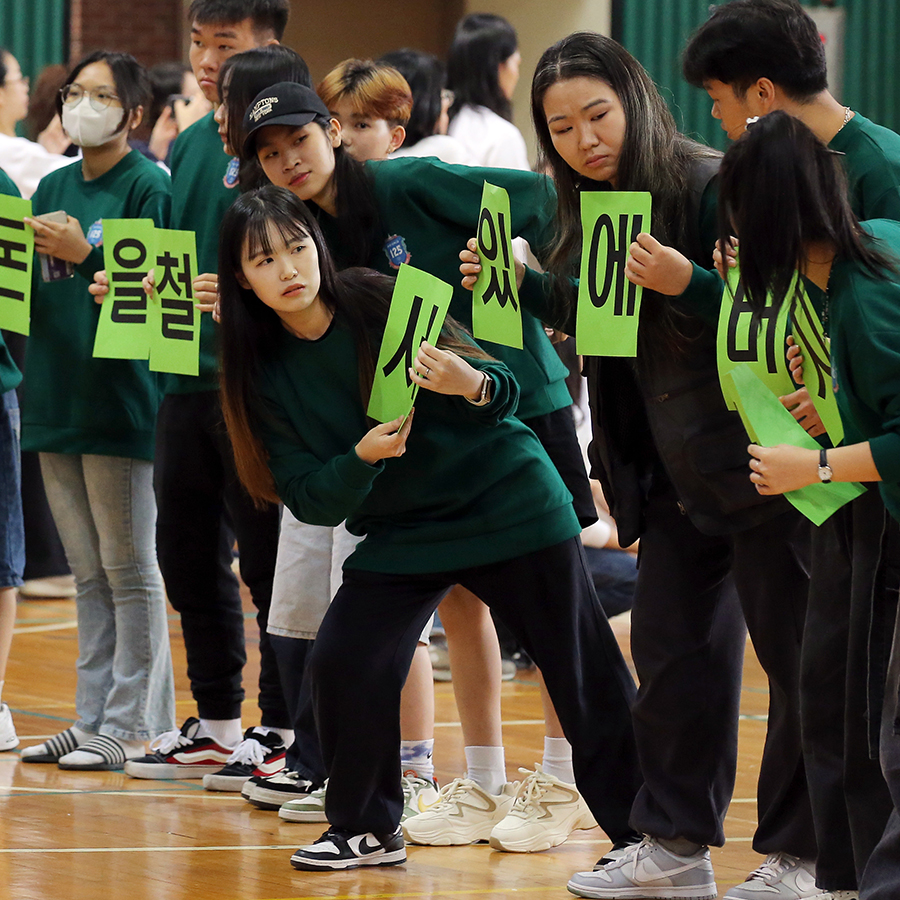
{"points": [[152, 30]]}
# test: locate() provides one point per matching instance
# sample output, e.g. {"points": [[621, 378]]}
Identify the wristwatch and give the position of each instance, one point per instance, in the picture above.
{"points": [[825, 473], [485, 396]]}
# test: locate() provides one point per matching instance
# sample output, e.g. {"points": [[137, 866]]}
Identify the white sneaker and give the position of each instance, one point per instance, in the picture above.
{"points": [[649, 870], [463, 813], [545, 812], [836, 895], [309, 808], [9, 740], [419, 794], [780, 877]]}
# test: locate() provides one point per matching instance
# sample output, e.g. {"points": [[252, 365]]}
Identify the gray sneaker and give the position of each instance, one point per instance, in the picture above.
{"points": [[780, 877], [648, 870]]}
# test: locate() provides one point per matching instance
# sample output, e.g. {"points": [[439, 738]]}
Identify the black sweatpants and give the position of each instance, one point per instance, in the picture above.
{"points": [[202, 508], [694, 592], [364, 648], [850, 800]]}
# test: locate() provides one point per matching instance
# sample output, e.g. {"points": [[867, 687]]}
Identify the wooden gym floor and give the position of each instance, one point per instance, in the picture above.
{"points": [[99, 835]]}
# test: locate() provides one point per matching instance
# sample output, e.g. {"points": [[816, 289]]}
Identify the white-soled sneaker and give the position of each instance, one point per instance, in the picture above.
{"points": [[780, 877], [272, 791], [649, 870], [9, 740], [340, 849], [463, 813], [309, 808], [180, 754], [545, 812], [261, 752], [419, 795]]}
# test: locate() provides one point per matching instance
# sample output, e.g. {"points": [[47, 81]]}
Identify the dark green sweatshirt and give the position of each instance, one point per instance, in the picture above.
{"points": [[474, 486], [10, 376], [872, 162], [429, 210], [864, 325], [74, 403], [204, 185]]}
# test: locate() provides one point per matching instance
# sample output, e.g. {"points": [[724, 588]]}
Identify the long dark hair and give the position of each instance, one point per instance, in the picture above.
{"points": [[241, 78], [654, 156], [804, 201], [482, 41], [359, 297], [424, 73]]}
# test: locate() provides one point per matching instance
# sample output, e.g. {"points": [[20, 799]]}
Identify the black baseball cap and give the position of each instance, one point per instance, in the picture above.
{"points": [[285, 103]]}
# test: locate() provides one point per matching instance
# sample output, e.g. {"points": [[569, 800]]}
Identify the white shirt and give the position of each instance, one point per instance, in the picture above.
{"points": [[27, 163], [445, 148], [489, 138]]}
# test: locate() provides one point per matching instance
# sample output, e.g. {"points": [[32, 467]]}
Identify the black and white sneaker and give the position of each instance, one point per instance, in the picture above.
{"points": [[260, 753], [341, 849], [270, 792]]}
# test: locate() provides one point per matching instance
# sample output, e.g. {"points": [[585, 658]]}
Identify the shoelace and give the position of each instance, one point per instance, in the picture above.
{"points": [[631, 855], [449, 792], [773, 868], [534, 786], [249, 752], [168, 741]]}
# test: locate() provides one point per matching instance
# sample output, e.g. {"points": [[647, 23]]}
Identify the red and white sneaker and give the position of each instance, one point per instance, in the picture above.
{"points": [[180, 754], [261, 752]]}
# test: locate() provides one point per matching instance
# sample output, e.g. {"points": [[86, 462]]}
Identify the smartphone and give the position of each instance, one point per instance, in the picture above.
{"points": [[52, 268]]}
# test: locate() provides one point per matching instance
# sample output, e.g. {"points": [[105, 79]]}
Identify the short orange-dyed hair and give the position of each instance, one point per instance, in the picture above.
{"points": [[375, 90]]}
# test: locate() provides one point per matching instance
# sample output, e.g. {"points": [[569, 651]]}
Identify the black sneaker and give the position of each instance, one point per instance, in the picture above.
{"points": [[260, 753], [270, 792], [341, 849]]}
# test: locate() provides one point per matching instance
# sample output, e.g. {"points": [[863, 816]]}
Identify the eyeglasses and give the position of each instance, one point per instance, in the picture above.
{"points": [[100, 99], [447, 97]]}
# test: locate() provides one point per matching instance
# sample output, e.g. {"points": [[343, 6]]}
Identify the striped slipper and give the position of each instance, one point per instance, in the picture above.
{"points": [[100, 753], [51, 750]]}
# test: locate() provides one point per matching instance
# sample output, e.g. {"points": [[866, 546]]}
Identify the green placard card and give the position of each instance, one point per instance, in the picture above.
{"points": [[16, 260], [810, 337], [129, 248], [770, 424], [418, 308], [755, 342], [609, 305], [174, 319], [496, 314]]}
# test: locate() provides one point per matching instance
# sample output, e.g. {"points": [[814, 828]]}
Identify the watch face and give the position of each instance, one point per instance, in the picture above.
{"points": [[825, 473]]}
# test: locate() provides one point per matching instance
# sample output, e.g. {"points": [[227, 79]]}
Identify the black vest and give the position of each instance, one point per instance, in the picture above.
{"points": [[668, 422]]}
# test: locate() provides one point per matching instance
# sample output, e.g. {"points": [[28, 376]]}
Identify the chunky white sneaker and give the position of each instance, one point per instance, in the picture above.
{"points": [[648, 870], [419, 794], [463, 813], [545, 812], [780, 877], [9, 740], [341, 849], [309, 808]]}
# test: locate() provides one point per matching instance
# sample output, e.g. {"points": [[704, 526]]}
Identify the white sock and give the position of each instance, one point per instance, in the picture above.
{"points": [[487, 767], [226, 731], [558, 759], [286, 735], [417, 757]]}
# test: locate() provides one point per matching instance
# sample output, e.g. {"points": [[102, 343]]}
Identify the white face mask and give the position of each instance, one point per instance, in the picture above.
{"points": [[88, 127]]}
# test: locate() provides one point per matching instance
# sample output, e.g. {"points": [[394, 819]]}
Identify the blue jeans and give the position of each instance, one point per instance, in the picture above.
{"points": [[12, 533], [106, 515]]}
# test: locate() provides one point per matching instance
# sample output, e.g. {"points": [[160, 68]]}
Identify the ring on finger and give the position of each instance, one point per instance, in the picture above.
{"points": [[427, 372]]}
